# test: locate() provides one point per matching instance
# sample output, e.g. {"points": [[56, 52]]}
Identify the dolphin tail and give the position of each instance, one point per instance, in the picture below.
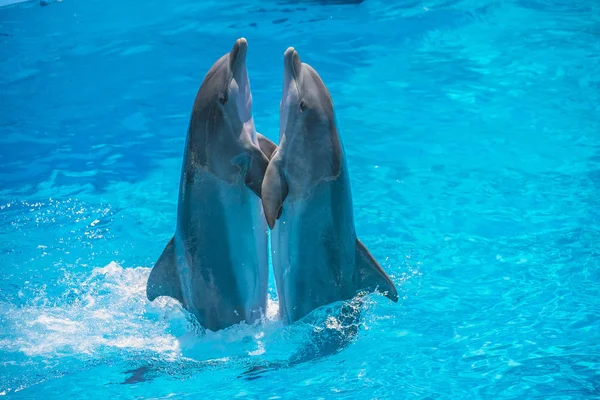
{"points": [[266, 146], [163, 279], [371, 275]]}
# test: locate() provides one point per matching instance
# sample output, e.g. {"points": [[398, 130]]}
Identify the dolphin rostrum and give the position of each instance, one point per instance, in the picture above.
{"points": [[216, 264], [317, 258]]}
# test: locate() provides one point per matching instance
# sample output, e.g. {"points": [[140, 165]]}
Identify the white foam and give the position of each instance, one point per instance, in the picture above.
{"points": [[108, 311]]}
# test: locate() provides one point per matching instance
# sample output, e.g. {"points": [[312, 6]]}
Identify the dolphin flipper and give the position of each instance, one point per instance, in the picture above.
{"points": [[163, 279], [257, 167], [371, 275], [266, 146], [275, 190]]}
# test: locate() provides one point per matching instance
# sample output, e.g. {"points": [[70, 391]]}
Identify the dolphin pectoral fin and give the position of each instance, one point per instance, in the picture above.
{"points": [[274, 192], [163, 279], [371, 275], [266, 146], [255, 173]]}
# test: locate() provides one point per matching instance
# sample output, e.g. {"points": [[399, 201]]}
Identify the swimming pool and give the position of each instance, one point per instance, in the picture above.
{"points": [[472, 132]]}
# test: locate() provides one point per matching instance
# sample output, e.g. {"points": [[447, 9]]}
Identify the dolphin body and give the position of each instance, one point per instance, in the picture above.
{"points": [[317, 258], [216, 264]]}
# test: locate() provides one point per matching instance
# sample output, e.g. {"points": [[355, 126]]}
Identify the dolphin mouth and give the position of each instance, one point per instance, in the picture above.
{"points": [[237, 56], [291, 88], [291, 62]]}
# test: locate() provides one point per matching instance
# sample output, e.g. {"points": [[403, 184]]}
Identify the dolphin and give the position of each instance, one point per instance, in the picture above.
{"points": [[317, 258], [216, 264]]}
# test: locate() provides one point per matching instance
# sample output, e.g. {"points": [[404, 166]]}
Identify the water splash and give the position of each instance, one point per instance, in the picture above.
{"points": [[105, 315], [107, 311]]}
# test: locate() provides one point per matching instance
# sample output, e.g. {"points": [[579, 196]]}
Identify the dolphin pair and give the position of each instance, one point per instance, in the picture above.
{"points": [[216, 265]]}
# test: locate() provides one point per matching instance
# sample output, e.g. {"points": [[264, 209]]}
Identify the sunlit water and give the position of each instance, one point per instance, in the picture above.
{"points": [[472, 131]]}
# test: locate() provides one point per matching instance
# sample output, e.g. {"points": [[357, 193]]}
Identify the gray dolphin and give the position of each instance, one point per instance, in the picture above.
{"points": [[216, 264], [317, 258]]}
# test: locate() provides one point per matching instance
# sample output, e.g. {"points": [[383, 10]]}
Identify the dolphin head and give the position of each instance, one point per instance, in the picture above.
{"points": [[223, 105], [306, 106], [310, 150], [309, 138]]}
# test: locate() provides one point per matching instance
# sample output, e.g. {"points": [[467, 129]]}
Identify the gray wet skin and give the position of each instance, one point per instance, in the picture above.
{"points": [[216, 265], [317, 258]]}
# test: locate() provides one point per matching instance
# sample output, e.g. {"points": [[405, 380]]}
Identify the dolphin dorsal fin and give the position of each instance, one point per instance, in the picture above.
{"points": [[164, 279], [371, 275]]}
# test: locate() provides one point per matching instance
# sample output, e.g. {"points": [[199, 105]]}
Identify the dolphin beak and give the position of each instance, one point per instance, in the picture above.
{"points": [[291, 64], [237, 56]]}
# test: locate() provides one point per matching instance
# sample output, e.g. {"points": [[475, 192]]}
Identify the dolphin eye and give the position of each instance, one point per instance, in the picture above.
{"points": [[223, 99], [302, 106]]}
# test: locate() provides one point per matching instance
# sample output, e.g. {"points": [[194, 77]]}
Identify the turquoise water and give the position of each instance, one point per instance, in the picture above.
{"points": [[472, 131]]}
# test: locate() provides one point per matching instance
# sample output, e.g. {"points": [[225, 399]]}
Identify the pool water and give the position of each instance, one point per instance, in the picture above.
{"points": [[472, 132]]}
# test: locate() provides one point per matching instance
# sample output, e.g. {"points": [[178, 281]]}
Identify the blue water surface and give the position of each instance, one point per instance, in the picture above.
{"points": [[472, 131]]}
